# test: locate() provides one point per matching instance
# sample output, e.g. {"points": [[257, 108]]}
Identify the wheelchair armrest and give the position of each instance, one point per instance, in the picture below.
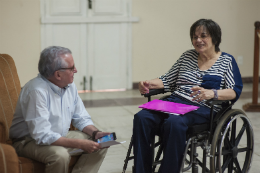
{"points": [[154, 92], [212, 102]]}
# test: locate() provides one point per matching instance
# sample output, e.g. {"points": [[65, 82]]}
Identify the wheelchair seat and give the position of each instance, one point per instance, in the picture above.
{"points": [[196, 129], [218, 140]]}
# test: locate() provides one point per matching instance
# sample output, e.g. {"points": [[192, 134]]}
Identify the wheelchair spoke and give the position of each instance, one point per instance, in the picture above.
{"points": [[233, 132], [230, 166], [228, 143], [226, 163], [240, 150], [237, 166], [239, 136], [225, 152]]}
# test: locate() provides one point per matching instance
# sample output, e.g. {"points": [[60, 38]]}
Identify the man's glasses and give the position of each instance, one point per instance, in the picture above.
{"points": [[71, 69]]}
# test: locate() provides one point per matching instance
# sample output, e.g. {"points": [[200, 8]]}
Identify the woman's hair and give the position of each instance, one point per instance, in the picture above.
{"points": [[211, 27], [51, 60]]}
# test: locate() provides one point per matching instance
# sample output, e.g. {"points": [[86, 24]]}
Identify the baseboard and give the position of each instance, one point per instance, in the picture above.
{"points": [[244, 80], [248, 79]]}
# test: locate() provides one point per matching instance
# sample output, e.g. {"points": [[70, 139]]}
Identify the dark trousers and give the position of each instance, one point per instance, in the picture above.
{"points": [[172, 128]]}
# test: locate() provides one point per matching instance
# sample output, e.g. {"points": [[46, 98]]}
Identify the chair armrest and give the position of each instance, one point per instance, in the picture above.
{"points": [[212, 102], [8, 159], [154, 92]]}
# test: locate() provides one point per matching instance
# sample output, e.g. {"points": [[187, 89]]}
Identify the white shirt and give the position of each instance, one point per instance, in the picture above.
{"points": [[44, 111]]}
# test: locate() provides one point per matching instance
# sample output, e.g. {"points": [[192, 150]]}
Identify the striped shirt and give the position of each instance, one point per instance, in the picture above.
{"points": [[185, 74]]}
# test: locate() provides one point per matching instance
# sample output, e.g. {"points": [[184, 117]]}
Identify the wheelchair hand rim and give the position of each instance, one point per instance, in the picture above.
{"points": [[224, 135]]}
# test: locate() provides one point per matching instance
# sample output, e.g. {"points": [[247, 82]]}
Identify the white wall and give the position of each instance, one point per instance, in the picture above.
{"points": [[160, 37], [20, 35], [162, 34]]}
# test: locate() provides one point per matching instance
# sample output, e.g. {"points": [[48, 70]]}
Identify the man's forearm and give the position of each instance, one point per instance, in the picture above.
{"points": [[89, 129], [68, 142]]}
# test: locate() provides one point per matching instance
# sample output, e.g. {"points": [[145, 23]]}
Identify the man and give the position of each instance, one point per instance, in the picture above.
{"points": [[45, 109]]}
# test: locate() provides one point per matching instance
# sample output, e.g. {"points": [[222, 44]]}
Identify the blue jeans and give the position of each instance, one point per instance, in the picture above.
{"points": [[172, 128]]}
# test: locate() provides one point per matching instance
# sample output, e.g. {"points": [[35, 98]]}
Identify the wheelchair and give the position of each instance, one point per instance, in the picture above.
{"points": [[220, 141]]}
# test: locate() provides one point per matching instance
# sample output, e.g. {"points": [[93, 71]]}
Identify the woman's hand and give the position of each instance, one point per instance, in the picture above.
{"points": [[144, 86], [201, 94]]}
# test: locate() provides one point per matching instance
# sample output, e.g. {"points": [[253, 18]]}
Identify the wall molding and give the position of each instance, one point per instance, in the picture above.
{"points": [[248, 79]]}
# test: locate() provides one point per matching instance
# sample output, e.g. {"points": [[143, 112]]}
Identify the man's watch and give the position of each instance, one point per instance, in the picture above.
{"points": [[215, 94], [94, 134]]}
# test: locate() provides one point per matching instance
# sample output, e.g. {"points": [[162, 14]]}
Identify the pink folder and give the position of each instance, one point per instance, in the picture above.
{"points": [[168, 107]]}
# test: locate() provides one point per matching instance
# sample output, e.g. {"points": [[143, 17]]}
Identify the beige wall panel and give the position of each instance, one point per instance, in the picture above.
{"points": [[20, 35], [160, 37], [162, 34]]}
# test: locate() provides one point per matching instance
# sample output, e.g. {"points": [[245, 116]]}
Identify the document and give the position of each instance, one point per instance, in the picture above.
{"points": [[168, 107], [110, 143], [103, 145]]}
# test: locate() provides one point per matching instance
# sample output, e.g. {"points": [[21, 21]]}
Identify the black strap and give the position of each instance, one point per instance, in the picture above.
{"points": [[94, 134]]}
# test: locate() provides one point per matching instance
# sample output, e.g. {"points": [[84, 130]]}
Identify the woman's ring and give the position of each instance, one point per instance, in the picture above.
{"points": [[199, 91]]}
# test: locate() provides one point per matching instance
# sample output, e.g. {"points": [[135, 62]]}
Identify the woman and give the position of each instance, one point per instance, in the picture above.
{"points": [[198, 75]]}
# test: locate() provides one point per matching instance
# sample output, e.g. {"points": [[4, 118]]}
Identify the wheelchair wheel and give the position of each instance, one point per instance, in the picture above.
{"points": [[228, 152]]}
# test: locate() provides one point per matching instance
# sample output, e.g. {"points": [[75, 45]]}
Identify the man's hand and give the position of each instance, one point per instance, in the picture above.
{"points": [[90, 146], [84, 144], [101, 134], [144, 86], [202, 94]]}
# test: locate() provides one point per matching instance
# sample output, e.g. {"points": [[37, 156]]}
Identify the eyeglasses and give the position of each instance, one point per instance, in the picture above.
{"points": [[202, 37], [71, 69]]}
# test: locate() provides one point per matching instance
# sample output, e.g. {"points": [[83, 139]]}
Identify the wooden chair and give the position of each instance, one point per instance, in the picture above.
{"points": [[9, 92]]}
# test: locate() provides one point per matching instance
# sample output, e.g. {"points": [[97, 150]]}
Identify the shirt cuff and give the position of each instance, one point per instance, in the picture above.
{"points": [[165, 84], [81, 126]]}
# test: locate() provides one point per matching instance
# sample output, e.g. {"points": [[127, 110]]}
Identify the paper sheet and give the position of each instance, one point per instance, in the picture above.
{"points": [[103, 145]]}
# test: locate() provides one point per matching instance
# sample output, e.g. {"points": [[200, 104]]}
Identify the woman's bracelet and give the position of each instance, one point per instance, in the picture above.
{"points": [[215, 94]]}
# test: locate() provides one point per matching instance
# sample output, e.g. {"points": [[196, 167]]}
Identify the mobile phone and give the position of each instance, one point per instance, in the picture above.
{"points": [[110, 137]]}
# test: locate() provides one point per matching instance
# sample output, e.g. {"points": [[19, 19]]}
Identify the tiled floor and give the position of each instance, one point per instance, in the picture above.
{"points": [[114, 112]]}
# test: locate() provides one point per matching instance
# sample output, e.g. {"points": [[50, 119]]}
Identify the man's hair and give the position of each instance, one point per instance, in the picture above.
{"points": [[212, 27], [51, 60]]}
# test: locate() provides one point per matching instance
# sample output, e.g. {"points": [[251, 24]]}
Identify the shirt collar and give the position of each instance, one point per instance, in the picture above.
{"points": [[55, 88]]}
